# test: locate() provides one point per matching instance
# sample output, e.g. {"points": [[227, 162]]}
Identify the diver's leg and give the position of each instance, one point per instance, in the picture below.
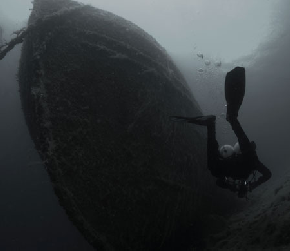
{"points": [[212, 144], [212, 148], [244, 142]]}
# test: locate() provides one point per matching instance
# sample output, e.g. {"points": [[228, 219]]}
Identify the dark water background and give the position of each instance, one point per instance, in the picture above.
{"points": [[30, 216]]}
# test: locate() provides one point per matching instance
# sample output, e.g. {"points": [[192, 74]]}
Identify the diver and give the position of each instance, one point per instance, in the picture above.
{"points": [[232, 166]]}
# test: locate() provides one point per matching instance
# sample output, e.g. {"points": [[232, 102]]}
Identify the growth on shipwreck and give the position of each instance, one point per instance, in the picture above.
{"points": [[97, 92]]}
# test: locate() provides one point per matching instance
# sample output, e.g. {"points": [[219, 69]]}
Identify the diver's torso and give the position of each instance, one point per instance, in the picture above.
{"points": [[236, 166]]}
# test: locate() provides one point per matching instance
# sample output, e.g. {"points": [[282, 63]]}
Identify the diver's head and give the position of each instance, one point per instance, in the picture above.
{"points": [[226, 151]]}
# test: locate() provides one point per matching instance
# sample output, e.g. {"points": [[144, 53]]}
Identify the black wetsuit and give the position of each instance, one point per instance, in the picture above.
{"points": [[239, 166]]}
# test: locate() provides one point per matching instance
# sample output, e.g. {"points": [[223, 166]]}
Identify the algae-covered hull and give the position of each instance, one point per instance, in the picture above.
{"points": [[97, 92]]}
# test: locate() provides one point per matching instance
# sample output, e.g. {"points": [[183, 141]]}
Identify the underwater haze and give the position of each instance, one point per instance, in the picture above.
{"points": [[224, 30], [205, 39]]}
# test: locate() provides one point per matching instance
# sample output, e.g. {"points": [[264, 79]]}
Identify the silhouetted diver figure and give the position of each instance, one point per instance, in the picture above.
{"points": [[225, 162]]}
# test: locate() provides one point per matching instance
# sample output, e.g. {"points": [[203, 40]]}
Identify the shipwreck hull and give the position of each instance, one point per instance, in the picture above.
{"points": [[97, 93]]}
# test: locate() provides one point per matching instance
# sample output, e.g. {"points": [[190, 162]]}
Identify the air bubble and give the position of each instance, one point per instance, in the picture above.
{"points": [[218, 64], [207, 62]]}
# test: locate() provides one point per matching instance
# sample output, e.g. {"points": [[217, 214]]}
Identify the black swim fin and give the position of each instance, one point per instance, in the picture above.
{"points": [[235, 84]]}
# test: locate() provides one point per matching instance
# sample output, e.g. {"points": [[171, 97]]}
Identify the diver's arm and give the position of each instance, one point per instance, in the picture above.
{"points": [[266, 175]]}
